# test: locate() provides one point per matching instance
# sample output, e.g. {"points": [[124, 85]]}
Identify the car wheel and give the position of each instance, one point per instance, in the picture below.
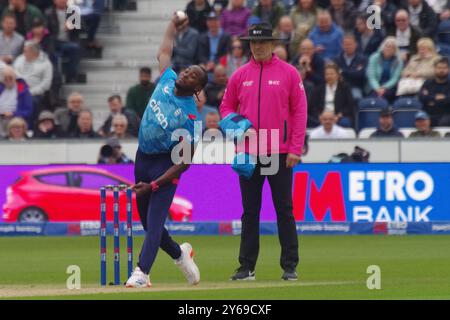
{"points": [[32, 215]]}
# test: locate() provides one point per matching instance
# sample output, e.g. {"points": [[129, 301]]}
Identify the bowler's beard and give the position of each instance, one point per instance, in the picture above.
{"points": [[180, 89]]}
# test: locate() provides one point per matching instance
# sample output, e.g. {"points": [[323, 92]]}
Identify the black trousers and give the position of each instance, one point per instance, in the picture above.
{"points": [[251, 191]]}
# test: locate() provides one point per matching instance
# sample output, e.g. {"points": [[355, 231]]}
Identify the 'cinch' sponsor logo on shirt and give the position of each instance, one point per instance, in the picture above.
{"points": [[162, 119]]}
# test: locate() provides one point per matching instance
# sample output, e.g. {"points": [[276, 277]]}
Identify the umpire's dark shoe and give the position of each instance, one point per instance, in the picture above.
{"points": [[243, 274], [289, 275]]}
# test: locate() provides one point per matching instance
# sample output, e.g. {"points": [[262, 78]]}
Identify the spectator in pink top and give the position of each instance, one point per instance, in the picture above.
{"points": [[234, 20]]}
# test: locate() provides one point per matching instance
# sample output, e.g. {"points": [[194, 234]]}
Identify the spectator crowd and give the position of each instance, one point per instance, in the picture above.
{"points": [[342, 58], [40, 50]]}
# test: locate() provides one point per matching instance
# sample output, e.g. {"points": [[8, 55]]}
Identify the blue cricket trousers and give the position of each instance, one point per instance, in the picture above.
{"points": [[153, 209]]}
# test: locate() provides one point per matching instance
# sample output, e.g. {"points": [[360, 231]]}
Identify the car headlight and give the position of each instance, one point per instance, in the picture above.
{"points": [[183, 203]]}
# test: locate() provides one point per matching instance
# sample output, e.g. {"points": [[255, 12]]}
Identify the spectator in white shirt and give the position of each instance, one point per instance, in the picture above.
{"points": [[36, 69], [328, 128]]}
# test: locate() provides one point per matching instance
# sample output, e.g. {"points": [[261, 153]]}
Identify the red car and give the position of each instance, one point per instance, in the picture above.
{"points": [[72, 194]]}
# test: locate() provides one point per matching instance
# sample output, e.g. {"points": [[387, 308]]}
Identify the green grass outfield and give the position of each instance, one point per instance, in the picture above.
{"points": [[331, 267]]}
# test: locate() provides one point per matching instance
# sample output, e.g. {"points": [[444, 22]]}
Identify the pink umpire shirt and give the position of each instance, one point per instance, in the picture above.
{"points": [[271, 95]]}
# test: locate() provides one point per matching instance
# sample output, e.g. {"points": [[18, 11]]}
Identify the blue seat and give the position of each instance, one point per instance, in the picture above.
{"points": [[405, 110], [443, 38], [369, 112]]}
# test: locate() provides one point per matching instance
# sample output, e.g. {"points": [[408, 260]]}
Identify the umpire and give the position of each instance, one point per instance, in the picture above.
{"points": [[270, 94]]}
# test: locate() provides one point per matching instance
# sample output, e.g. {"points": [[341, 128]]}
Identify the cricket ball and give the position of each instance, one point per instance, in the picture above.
{"points": [[181, 15]]}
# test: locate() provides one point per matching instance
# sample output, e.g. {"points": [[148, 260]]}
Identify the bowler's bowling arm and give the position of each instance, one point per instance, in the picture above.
{"points": [[166, 48]]}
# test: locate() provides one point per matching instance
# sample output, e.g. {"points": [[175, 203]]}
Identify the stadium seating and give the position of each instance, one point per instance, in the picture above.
{"points": [[443, 38], [351, 133], [405, 110], [366, 132], [369, 112], [407, 131], [442, 130]]}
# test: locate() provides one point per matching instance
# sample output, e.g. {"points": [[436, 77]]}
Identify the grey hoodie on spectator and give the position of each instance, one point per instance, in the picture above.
{"points": [[37, 74]]}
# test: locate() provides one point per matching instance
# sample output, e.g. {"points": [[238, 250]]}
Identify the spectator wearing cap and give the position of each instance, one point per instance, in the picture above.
{"points": [[215, 89], [111, 153], [269, 11], [326, 36], [335, 96], [85, 128], [353, 66], [423, 126], [184, 48], [11, 42], [328, 128], [234, 20], [213, 43], [304, 17], [435, 94], [17, 130], [343, 14], [36, 69], [368, 39], [46, 127], [66, 117], [66, 40], [25, 14], [406, 34], [386, 128], [197, 10], [311, 63], [422, 17], [291, 39], [119, 127], [139, 95], [384, 70], [235, 58], [116, 107], [15, 99]]}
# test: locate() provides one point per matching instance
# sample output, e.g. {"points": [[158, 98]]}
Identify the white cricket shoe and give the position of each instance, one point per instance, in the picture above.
{"points": [[138, 279], [187, 264]]}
